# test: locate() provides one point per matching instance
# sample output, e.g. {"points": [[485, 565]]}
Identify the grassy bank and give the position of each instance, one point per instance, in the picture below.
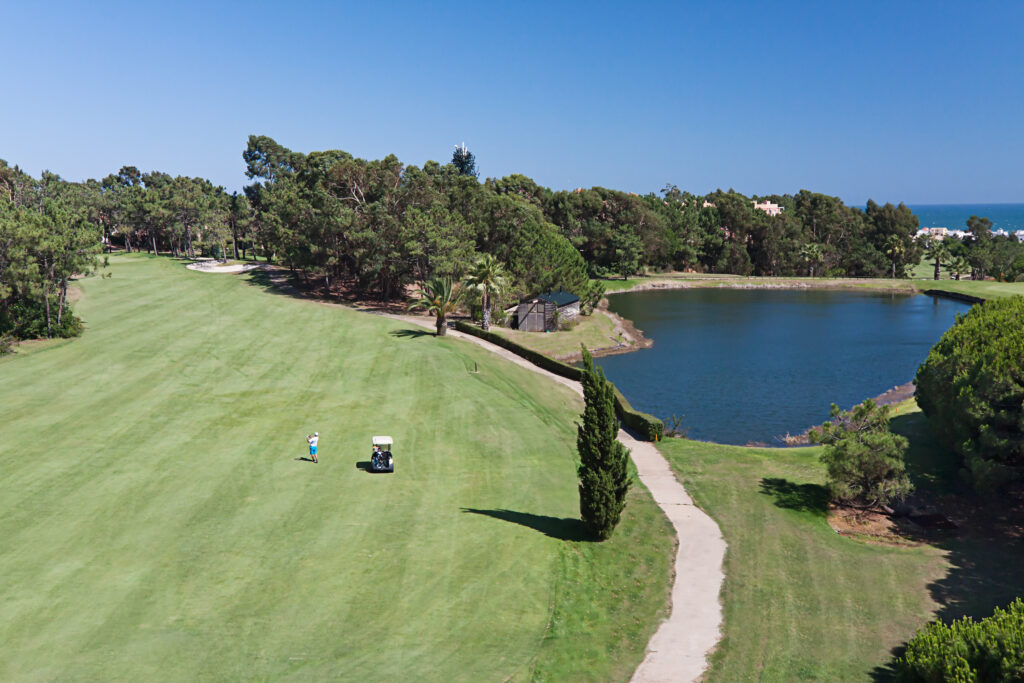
{"points": [[160, 521], [804, 603], [800, 601], [595, 331], [983, 289], [685, 280]]}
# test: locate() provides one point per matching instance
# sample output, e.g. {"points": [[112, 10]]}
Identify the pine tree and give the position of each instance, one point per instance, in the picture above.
{"points": [[464, 161], [603, 472]]}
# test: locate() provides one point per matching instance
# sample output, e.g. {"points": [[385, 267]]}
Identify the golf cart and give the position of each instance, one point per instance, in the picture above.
{"points": [[381, 460]]}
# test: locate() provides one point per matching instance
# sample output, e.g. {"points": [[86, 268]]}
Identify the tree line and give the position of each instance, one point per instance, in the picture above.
{"points": [[980, 254], [380, 226], [48, 234]]}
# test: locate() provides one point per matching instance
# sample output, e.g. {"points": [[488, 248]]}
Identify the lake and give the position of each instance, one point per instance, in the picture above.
{"points": [[750, 365]]}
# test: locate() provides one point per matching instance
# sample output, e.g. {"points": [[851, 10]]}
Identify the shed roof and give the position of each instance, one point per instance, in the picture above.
{"points": [[559, 298]]}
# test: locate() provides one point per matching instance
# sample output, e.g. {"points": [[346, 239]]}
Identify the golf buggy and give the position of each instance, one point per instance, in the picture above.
{"points": [[381, 460]]}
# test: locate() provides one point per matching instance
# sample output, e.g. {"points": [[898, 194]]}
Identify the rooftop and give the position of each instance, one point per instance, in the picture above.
{"points": [[559, 298]]}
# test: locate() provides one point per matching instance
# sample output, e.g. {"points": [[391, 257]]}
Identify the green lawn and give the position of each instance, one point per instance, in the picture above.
{"points": [[158, 522], [985, 289], [804, 603], [596, 331], [800, 601]]}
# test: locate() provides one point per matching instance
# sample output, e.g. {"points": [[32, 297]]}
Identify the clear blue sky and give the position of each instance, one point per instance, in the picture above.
{"points": [[917, 102]]}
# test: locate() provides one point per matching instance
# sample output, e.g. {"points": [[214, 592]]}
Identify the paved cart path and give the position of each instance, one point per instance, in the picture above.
{"points": [[679, 649]]}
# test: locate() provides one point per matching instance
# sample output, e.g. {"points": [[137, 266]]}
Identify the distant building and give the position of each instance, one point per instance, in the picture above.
{"points": [[768, 207], [708, 205], [539, 313], [936, 233]]}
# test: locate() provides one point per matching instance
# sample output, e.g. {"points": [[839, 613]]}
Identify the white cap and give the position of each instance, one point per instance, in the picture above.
{"points": [[316, 433]]}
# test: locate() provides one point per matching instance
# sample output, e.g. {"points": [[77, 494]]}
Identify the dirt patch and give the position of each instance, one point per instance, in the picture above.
{"points": [[873, 526]]}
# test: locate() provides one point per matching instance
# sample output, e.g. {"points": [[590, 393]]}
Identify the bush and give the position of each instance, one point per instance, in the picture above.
{"points": [[647, 426], [863, 458], [6, 344], [972, 389], [26, 319], [988, 650]]}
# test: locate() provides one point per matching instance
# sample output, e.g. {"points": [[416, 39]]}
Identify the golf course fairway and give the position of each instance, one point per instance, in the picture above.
{"points": [[159, 519]]}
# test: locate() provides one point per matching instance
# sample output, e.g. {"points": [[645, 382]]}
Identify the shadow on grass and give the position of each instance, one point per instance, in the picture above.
{"points": [[411, 334], [986, 557], [562, 528], [261, 278], [791, 496]]}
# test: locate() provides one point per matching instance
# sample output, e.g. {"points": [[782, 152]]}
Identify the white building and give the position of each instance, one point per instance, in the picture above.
{"points": [[769, 208]]}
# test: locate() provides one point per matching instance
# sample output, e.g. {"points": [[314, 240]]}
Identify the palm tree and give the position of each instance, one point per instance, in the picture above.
{"points": [[487, 277], [939, 252], [895, 247], [958, 266], [439, 297], [811, 254]]}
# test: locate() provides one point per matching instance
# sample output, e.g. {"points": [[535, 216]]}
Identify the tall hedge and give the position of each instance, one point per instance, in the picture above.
{"points": [[966, 650], [972, 389]]}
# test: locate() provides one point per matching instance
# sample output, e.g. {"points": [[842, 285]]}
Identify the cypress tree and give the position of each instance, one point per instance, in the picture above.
{"points": [[603, 472]]}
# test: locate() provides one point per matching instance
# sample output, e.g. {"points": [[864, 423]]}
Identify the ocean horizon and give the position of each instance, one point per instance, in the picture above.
{"points": [[1009, 217]]}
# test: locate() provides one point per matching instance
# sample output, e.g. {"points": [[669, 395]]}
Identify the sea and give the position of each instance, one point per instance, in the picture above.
{"points": [[1009, 217]]}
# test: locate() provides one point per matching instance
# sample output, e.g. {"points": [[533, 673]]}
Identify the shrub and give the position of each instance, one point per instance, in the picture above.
{"points": [[966, 650], [26, 319], [972, 389], [6, 344], [863, 458]]}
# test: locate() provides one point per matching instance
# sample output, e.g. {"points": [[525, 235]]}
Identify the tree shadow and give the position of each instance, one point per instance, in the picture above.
{"points": [[985, 555], [561, 528], [410, 333], [262, 279], [811, 498]]}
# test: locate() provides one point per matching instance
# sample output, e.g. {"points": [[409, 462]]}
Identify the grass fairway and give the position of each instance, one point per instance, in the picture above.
{"points": [[158, 522], [801, 602]]}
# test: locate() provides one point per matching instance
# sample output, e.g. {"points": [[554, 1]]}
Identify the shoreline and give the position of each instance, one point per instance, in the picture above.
{"points": [[898, 394], [901, 286]]}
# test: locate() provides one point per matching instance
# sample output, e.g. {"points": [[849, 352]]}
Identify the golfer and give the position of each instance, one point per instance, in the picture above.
{"points": [[312, 441]]}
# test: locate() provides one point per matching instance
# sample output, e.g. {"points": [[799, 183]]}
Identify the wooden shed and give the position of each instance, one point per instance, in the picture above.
{"points": [[538, 314]]}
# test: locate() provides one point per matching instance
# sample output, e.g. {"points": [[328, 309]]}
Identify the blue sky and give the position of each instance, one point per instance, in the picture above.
{"points": [[915, 102]]}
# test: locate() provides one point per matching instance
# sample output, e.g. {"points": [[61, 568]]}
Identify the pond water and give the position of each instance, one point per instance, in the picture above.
{"points": [[751, 365]]}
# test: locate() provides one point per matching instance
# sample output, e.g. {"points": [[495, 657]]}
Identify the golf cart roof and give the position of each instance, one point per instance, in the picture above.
{"points": [[382, 441]]}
